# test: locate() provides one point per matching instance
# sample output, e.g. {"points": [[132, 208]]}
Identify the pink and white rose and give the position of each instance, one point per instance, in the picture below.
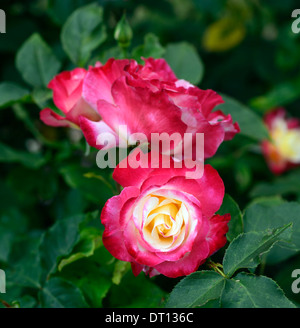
{"points": [[150, 99], [162, 222], [147, 99]]}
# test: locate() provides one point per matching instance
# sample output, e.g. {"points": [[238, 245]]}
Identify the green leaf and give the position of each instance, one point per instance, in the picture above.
{"points": [[12, 226], [27, 272], [280, 95], [185, 61], [92, 275], [136, 292], [243, 175], [284, 185], [120, 269], [13, 219], [245, 250], [29, 182], [10, 155], [42, 97], [250, 123], [25, 263], [235, 225], [23, 115], [93, 185], [58, 293], [6, 241], [59, 10], [196, 290], [266, 201], [94, 284], [36, 62], [150, 48], [59, 241], [90, 240], [12, 293], [83, 32], [84, 248], [27, 302], [11, 93], [285, 279], [249, 291], [268, 214], [212, 304]]}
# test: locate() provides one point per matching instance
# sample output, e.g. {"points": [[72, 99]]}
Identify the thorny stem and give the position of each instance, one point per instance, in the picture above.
{"points": [[5, 304]]}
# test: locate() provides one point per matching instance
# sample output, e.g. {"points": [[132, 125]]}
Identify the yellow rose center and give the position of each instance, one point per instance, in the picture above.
{"points": [[165, 222]]}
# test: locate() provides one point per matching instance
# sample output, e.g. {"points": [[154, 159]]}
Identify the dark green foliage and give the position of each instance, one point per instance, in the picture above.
{"points": [[52, 192]]}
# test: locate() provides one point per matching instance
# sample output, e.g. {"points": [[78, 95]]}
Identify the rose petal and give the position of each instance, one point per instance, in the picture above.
{"points": [[49, 117], [217, 233]]}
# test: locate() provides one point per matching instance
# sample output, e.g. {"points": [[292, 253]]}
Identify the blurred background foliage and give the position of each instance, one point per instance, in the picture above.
{"points": [[52, 192]]}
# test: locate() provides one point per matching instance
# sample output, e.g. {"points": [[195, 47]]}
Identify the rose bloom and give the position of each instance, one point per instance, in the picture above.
{"points": [[145, 98], [162, 222], [282, 151], [67, 96]]}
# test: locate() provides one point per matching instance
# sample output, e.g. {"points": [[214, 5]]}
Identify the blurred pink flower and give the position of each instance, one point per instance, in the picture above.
{"points": [[282, 151]]}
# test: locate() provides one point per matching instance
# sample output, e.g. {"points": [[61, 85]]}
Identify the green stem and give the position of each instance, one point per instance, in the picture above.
{"points": [[263, 264], [217, 267]]}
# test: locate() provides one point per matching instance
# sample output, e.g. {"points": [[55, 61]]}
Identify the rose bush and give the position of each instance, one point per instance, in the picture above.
{"points": [[145, 98], [162, 222], [52, 243], [282, 151]]}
